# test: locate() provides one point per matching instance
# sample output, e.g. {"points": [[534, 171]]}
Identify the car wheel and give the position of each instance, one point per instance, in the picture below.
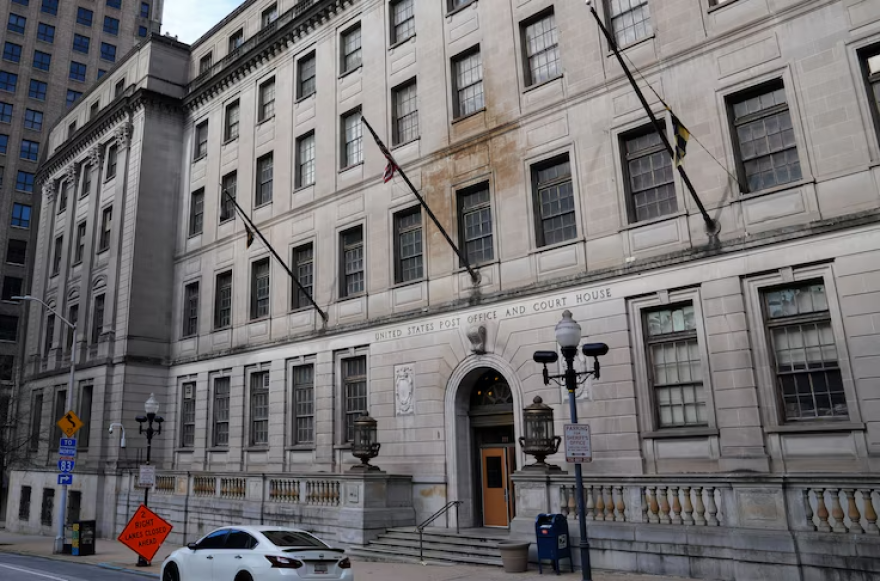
{"points": [[243, 576], [171, 573]]}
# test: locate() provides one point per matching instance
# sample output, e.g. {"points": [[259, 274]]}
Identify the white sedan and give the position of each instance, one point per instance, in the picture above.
{"points": [[262, 553]]}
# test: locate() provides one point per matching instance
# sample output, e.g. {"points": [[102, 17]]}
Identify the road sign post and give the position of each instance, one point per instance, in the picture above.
{"points": [[145, 533], [578, 449], [70, 425]]}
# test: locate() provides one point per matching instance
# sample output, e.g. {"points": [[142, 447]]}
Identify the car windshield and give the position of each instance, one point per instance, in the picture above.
{"points": [[294, 539]]}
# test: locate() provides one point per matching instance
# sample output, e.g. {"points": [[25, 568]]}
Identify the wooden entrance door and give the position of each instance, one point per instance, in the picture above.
{"points": [[495, 464]]}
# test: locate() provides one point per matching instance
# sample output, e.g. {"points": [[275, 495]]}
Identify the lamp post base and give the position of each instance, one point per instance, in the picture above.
{"points": [[59, 545]]}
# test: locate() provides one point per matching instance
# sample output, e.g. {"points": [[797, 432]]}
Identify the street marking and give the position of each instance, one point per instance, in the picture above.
{"points": [[32, 572]]}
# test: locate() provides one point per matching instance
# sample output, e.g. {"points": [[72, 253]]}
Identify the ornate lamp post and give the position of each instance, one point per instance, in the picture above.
{"points": [[365, 445], [152, 408], [539, 440], [568, 335]]}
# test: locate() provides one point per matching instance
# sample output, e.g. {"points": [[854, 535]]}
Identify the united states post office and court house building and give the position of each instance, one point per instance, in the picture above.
{"points": [[736, 423]]}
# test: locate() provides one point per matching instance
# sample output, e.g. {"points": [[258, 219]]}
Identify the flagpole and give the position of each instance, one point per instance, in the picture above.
{"points": [[475, 276], [710, 223], [275, 254]]}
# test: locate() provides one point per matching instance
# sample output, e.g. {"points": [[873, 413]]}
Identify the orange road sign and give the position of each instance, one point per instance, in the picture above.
{"points": [[145, 532], [69, 423]]}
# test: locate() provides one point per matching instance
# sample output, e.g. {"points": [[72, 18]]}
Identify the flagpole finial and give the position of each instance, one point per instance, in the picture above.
{"points": [[589, 3]]}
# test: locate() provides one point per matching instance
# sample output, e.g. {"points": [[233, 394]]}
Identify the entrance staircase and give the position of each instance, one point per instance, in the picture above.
{"points": [[441, 546]]}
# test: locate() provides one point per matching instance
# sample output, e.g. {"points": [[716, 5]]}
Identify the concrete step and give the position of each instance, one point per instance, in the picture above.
{"points": [[471, 549], [469, 542], [407, 554]]}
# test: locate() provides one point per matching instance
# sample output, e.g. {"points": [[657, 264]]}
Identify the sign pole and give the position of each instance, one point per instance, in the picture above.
{"points": [[584, 544], [62, 513]]}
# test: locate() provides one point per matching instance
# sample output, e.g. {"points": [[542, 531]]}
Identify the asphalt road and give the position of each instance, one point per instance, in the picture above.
{"points": [[22, 568]]}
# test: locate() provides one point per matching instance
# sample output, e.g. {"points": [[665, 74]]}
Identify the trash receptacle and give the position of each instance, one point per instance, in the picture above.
{"points": [[83, 538], [552, 533]]}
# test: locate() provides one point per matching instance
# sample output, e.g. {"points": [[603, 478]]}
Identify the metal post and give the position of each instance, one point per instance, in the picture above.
{"points": [[569, 354], [141, 561], [62, 516]]}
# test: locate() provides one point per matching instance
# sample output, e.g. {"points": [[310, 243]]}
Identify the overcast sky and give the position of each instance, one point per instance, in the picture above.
{"points": [[190, 19]]}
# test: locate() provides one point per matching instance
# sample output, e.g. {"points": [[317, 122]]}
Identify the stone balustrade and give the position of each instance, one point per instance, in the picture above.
{"points": [[233, 487], [165, 485], [319, 492], [847, 509], [204, 486]]}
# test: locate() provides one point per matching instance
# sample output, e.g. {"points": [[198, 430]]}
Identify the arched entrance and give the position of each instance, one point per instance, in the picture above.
{"points": [[482, 424]]}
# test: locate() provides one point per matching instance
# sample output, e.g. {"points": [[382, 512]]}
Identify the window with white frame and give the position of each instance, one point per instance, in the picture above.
{"points": [[408, 249], [228, 187], [406, 113], [231, 122], [191, 310], [303, 404], [201, 148], [197, 212], [403, 20], [352, 262], [265, 179], [97, 319], [352, 139], [223, 300], [630, 20], [541, 48], [304, 269], [554, 201], [467, 75], [475, 223], [188, 414], [648, 175], [351, 49], [259, 404], [354, 392], [220, 428], [306, 76], [305, 160], [267, 101], [260, 289]]}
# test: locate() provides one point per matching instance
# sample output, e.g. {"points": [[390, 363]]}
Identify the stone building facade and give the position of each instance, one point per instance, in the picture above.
{"points": [[735, 425]]}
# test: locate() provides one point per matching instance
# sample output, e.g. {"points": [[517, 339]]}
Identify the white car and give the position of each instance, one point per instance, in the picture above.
{"points": [[262, 553]]}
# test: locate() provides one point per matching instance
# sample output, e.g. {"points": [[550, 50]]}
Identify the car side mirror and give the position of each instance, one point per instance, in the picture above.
{"points": [[192, 546]]}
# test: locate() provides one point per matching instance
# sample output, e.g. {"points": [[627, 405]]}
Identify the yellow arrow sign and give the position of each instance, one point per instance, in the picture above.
{"points": [[69, 423]]}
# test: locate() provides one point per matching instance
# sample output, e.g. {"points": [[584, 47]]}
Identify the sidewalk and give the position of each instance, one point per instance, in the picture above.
{"points": [[112, 554]]}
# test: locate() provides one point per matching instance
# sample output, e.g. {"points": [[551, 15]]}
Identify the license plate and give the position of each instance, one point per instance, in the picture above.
{"points": [[320, 568]]}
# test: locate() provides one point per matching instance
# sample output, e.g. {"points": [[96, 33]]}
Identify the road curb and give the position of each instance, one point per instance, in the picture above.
{"points": [[113, 567], [53, 557]]}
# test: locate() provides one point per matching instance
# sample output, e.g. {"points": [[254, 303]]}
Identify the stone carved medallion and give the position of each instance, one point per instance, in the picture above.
{"points": [[404, 389]]}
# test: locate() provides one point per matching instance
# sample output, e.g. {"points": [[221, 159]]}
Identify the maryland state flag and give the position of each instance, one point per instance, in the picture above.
{"points": [[250, 235], [681, 139]]}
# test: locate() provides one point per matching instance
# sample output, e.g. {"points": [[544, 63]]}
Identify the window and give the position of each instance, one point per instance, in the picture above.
{"points": [[94, 108], [236, 40], [403, 20], [196, 212], [456, 4], [36, 417], [188, 415], [649, 179], [24, 182], [9, 81], [804, 352], [630, 21], [85, 413], [72, 96], [106, 225], [260, 289], [8, 328], [230, 129], [114, 4], [352, 259], [101, 73], [48, 507], [201, 148], [108, 52], [145, 10], [220, 432], [42, 60], [46, 32], [675, 369], [11, 288], [269, 16], [56, 256], [468, 83], [50, 334], [5, 112], [119, 88], [21, 215], [22, 2], [304, 269], [406, 113], [80, 242], [84, 16], [30, 150], [229, 186], [142, 31], [305, 160], [267, 100], [541, 46], [351, 49], [223, 300], [475, 224], [205, 63], [352, 139], [86, 180], [306, 76], [24, 504], [260, 408], [74, 504], [111, 161], [408, 264], [16, 251], [765, 145], [60, 405], [16, 23], [111, 25], [191, 310], [303, 404], [2, 170], [97, 319], [50, 7], [37, 90], [354, 387], [12, 52], [77, 71], [33, 119], [554, 201], [7, 367], [4, 143], [264, 180], [62, 197]]}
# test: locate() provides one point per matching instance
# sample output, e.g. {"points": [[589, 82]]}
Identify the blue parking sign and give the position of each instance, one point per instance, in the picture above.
{"points": [[66, 466]]}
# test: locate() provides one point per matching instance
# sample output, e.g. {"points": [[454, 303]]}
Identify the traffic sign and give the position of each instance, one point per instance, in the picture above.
{"points": [[66, 466], [145, 532], [147, 476], [69, 423], [67, 452], [577, 443], [67, 443], [65, 479]]}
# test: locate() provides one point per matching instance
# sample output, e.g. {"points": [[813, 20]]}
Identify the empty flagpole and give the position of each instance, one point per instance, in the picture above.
{"points": [[710, 223], [275, 254], [475, 276]]}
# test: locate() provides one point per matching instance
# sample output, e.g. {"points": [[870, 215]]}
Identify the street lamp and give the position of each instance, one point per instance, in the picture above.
{"points": [[59, 538], [568, 335], [365, 445], [152, 408]]}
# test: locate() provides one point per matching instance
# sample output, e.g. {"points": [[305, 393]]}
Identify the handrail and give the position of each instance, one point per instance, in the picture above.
{"points": [[432, 518]]}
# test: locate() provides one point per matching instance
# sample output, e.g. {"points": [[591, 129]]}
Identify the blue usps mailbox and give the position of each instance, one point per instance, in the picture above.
{"points": [[553, 545]]}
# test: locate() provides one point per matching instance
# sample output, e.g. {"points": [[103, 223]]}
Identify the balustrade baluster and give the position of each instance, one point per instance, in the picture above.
{"points": [[654, 512], [664, 505], [699, 508], [563, 501], [600, 504], [589, 508], [855, 519], [837, 512], [870, 514], [711, 508], [676, 506], [687, 517], [645, 500], [808, 509], [822, 511], [620, 514], [609, 504]]}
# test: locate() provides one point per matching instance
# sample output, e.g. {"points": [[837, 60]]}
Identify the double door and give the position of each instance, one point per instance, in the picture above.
{"points": [[497, 464]]}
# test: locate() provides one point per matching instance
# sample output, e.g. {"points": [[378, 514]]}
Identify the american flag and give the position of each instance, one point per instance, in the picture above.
{"points": [[389, 169]]}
